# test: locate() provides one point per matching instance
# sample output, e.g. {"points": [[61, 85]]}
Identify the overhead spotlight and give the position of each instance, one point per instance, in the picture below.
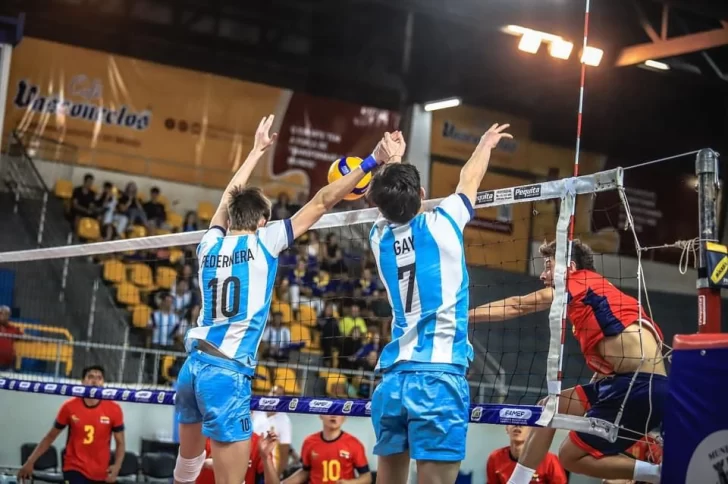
{"points": [[592, 56], [657, 65], [443, 104], [530, 42], [518, 30], [561, 49]]}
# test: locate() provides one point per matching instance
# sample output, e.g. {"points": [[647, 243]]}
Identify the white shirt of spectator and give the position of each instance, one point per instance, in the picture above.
{"points": [[277, 337], [164, 327], [281, 424]]}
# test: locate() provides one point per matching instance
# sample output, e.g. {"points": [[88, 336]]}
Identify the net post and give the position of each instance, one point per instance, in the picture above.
{"points": [[706, 169]]}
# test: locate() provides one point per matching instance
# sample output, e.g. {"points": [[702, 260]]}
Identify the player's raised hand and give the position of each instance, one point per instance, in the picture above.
{"points": [[263, 137], [492, 137], [268, 443], [387, 150]]}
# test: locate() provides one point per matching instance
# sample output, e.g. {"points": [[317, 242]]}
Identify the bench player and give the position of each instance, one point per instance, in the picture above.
{"points": [[261, 466], [238, 258], [421, 407], [622, 345]]}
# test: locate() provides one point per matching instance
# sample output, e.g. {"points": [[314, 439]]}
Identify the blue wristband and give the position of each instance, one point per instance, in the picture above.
{"points": [[368, 164]]}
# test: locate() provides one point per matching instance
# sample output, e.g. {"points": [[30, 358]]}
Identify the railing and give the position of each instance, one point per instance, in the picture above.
{"points": [[482, 392]]}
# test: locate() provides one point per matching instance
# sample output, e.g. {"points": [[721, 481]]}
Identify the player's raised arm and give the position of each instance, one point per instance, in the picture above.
{"points": [[472, 173], [263, 141], [325, 199], [513, 307]]}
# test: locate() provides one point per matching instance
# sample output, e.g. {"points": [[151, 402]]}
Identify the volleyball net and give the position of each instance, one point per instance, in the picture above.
{"points": [[126, 304]]}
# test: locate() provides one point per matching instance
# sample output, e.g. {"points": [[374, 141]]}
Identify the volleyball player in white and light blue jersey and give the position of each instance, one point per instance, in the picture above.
{"points": [[420, 409], [238, 258]]}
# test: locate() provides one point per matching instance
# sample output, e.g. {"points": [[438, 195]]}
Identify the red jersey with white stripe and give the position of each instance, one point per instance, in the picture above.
{"points": [[598, 310]]}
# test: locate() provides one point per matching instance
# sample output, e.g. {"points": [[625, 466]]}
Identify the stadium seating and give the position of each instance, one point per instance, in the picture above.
{"points": [[136, 231], [285, 310], [332, 379], [286, 379], [46, 468], [166, 365], [140, 315], [166, 277], [88, 229], [46, 352], [174, 220], [127, 294], [262, 381], [63, 189], [141, 276], [114, 271], [205, 211], [307, 315], [175, 255]]}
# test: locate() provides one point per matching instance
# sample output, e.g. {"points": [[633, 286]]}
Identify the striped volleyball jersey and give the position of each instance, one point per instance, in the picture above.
{"points": [[237, 273], [422, 266]]}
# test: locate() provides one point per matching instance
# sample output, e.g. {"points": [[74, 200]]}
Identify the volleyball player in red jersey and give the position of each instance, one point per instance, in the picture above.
{"points": [[262, 464], [622, 345], [91, 423], [332, 456], [501, 462]]}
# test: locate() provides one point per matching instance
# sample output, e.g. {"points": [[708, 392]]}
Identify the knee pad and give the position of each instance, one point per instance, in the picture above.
{"points": [[188, 470]]}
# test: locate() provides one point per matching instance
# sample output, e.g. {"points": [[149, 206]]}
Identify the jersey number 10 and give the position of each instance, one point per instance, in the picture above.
{"points": [[231, 283]]}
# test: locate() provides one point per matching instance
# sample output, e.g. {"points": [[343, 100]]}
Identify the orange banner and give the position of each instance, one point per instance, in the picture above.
{"points": [[80, 106]]}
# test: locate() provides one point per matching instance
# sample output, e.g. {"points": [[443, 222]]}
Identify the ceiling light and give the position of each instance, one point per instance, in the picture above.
{"points": [[561, 49], [518, 30], [530, 42], [443, 104], [592, 56], [657, 65]]}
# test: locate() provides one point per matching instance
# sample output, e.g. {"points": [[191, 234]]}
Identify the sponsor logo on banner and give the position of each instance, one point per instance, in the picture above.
{"points": [[514, 415], [319, 405], [702, 318], [160, 397], [78, 390], [347, 406], [485, 197], [125, 395], [268, 403], [24, 385], [3, 382], [476, 414], [143, 396], [293, 404], [12, 384], [108, 393], [36, 387], [709, 462], [92, 394], [524, 193], [503, 195], [50, 388], [64, 390], [368, 408]]}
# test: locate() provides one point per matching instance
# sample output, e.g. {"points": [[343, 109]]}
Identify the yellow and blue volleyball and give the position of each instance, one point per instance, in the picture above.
{"points": [[344, 166]]}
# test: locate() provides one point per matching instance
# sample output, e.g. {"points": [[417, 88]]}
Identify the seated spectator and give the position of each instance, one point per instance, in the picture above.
{"points": [[313, 246], [380, 306], [501, 462], [7, 340], [343, 389], [282, 209], [344, 284], [187, 273], [323, 285], [333, 260], [276, 339], [311, 261], [129, 210], [106, 206], [83, 200], [154, 210], [184, 297], [352, 319], [367, 283], [164, 325], [373, 345], [349, 347], [301, 291], [190, 223], [283, 290], [330, 334]]}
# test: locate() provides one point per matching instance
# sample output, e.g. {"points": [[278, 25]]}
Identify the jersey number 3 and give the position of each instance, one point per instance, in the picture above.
{"points": [[231, 283], [409, 272]]}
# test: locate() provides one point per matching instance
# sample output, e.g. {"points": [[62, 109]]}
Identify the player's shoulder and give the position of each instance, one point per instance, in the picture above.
{"points": [[500, 454], [312, 439], [350, 439]]}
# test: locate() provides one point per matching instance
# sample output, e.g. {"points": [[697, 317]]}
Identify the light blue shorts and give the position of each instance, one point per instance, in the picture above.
{"points": [[426, 412], [216, 392]]}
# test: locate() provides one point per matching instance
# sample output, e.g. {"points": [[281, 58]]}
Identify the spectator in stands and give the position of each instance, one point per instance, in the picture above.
{"points": [[276, 339], [313, 246], [91, 424], [372, 345], [187, 273], [352, 319], [184, 297], [164, 325], [349, 347], [129, 210], [367, 283], [190, 222], [281, 425], [329, 332], [333, 256], [83, 200], [343, 389], [501, 462], [154, 210], [301, 280], [8, 332], [190, 319], [282, 209], [106, 206]]}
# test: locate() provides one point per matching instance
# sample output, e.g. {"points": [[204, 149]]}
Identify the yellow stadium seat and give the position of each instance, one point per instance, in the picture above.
{"points": [[166, 277], [307, 315], [261, 382], [136, 231], [285, 310], [332, 379], [63, 189], [141, 275], [175, 255], [45, 351], [167, 362], [286, 379], [161, 231], [127, 294], [174, 220], [88, 229], [300, 334], [114, 271], [140, 316], [205, 211]]}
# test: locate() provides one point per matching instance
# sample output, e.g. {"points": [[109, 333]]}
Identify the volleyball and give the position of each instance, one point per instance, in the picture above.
{"points": [[344, 166]]}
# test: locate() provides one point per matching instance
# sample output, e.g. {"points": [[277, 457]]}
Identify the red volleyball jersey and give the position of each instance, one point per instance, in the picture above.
{"points": [[597, 310], [88, 449], [647, 449], [331, 461], [255, 464], [501, 464]]}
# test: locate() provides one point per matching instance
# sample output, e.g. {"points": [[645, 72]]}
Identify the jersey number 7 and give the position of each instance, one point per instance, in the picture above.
{"points": [[401, 271]]}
